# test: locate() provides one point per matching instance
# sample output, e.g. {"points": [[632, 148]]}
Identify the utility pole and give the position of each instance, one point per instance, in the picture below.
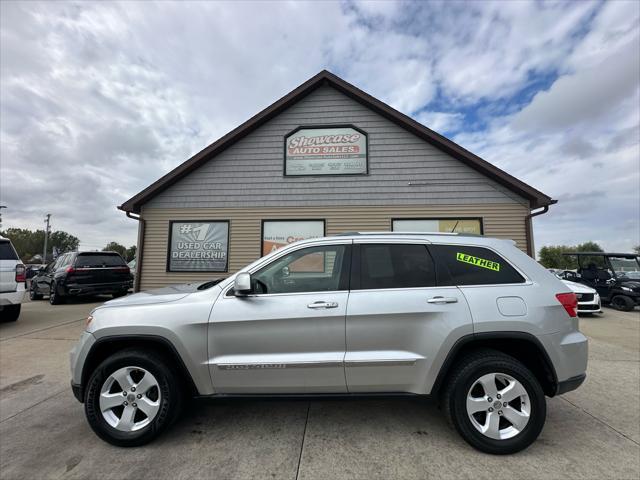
{"points": [[46, 236], [1, 207]]}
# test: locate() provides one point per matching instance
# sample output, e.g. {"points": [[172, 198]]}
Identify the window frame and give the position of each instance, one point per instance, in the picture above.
{"points": [[480, 219], [527, 280]]}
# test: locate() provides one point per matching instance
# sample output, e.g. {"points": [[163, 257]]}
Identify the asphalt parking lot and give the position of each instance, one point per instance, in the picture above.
{"points": [[593, 432]]}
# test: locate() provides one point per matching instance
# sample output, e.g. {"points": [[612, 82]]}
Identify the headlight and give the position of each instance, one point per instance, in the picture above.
{"points": [[627, 289]]}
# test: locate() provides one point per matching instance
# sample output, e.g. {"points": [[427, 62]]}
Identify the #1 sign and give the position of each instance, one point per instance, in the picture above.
{"points": [[198, 247], [326, 151]]}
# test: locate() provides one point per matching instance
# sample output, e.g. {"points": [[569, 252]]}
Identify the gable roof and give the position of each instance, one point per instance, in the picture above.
{"points": [[536, 198]]}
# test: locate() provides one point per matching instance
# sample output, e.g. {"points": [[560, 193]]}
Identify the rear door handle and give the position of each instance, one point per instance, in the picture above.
{"points": [[321, 304], [442, 300]]}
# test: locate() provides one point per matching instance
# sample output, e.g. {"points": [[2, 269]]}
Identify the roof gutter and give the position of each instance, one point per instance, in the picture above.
{"points": [[528, 226], [140, 246]]}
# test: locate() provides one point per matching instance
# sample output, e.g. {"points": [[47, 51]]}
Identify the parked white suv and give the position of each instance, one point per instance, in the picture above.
{"points": [[12, 282], [471, 321]]}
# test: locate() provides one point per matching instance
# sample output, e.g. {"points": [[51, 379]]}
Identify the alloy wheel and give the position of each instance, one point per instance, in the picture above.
{"points": [[130, 399], [498, 406]]}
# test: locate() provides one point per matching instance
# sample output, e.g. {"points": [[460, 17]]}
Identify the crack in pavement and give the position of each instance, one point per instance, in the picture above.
{"points": [[32, 406], [600, 420], [42, 329]]}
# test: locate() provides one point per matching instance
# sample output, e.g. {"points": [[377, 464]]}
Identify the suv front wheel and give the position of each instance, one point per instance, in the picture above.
{"points": [[495, 402], [132, 397]]}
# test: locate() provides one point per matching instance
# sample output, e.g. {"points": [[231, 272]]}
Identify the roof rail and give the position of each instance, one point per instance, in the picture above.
{"points": [[457, 234]]}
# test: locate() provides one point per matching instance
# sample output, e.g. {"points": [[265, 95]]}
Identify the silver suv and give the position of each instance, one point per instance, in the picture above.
{"points": [[471, 321]]}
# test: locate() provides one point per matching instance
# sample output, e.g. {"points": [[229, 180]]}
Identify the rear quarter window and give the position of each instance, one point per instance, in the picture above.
{"points": [[7, 252], [99, 260], [462, 265]]}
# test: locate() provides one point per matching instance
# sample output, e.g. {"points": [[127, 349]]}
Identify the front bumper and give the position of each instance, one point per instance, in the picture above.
{"points": [[77, 358], [590, 306]]}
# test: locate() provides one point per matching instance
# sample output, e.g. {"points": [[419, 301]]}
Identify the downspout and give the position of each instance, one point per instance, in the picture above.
{"points": [[136, 281], [528, 226]]}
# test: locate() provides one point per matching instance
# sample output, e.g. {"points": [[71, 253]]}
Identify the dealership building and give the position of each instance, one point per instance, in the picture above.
{"points": [[324, 159]]}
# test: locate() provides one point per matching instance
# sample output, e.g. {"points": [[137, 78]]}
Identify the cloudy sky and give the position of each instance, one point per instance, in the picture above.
{"points": [[100, 99]]}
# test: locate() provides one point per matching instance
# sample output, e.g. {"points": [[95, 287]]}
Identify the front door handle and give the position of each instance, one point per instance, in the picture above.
{"points": [[442, 300], [323, 305]]}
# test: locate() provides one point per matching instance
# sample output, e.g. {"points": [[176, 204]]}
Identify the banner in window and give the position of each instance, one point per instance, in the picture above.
{"points": [[198, 246], [279, 233], [326, 151], [447, 225]]}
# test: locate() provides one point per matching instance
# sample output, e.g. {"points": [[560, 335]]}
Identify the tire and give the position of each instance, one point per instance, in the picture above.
{"points": [[464, 382], [165, 395], [119, 294], [54, 297], [622, 303], [33, 295], [10, 313]]}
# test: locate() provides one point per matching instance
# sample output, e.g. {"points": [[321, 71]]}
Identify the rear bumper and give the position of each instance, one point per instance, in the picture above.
{"points": [[13, 298], [570, 384], [95, 288]]}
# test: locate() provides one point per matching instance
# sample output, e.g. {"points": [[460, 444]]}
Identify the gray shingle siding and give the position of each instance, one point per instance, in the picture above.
{"points": [[403, 169]]}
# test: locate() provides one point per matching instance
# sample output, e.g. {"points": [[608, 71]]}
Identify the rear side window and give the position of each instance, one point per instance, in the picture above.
{"points": [[99, 260], [461, 265], [7, 252], [395, 266]]}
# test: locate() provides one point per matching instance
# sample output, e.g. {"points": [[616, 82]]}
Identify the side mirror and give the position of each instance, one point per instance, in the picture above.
{"points": [[242, 284]]}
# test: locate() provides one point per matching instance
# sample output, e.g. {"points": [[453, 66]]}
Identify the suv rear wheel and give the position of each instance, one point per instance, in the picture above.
{"points": [[622, 303], [54, 297], [495, 402], [132, 397]]}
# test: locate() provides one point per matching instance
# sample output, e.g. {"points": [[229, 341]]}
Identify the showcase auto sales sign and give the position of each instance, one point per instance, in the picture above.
{"points": [[326, 151]]}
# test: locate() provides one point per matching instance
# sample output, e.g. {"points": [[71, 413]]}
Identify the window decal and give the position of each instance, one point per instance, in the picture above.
{"points": [[478, 262]]}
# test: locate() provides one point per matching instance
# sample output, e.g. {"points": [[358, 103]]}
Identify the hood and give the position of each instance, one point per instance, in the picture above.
{"points": [[578, 287], [159, 295], [631, 284]]}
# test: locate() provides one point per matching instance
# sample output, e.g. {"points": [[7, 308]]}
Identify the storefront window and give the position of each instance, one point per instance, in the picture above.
{"points": [[279, 233], [447, 225]]}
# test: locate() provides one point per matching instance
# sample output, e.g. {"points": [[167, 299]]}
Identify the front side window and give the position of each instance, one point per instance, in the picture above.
{"points": [[313, 269], [462, 265], [395, 266]]}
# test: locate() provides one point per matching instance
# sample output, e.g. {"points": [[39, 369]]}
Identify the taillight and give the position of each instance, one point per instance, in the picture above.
{"points": [[70, 270], [21, 273], [570, 303]]}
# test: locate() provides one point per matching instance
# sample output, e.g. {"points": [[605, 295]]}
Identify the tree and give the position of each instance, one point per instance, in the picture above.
{"points": [[29, 243], [116, 247], [131, 253], [551, 256]]}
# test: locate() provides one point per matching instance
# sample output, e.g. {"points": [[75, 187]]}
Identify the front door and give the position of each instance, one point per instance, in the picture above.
{"points": [[398, 320], [288, 335]]}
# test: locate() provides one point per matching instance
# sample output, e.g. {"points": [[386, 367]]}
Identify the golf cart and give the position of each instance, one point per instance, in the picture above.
{"points": [[615, 276]]}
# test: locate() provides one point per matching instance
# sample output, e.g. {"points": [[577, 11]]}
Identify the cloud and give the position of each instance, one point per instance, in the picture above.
{"points": [[441, 122]]}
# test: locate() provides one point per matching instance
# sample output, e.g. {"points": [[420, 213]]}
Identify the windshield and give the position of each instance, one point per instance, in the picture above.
{"points": [[625, 268]]}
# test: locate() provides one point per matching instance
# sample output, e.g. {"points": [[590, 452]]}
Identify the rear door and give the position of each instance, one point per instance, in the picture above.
{"points": [[398, 319], [98, 268], [8, 261]]}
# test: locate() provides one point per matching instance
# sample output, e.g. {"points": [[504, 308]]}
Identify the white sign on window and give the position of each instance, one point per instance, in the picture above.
{"points": [[326, 151]]}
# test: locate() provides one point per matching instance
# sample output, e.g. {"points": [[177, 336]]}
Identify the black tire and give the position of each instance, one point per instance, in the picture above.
{"points": [[622, 303], [119, 294], [54, 296], [465, 374], [33, 295], [170, 397], [10, 313]]}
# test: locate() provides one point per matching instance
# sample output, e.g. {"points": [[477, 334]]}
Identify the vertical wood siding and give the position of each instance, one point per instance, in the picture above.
{"points": [[502, 220]]}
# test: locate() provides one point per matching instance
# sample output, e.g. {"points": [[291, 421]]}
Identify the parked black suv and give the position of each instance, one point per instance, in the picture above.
{"points": [[615, 276], [82, 273]]}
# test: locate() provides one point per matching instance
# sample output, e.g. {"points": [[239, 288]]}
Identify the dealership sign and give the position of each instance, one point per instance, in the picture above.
{"points": [[326, 151], [198, 246]]}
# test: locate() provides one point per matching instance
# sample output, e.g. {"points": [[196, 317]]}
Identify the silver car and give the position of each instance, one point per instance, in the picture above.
{"points": [[471, 321]]}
